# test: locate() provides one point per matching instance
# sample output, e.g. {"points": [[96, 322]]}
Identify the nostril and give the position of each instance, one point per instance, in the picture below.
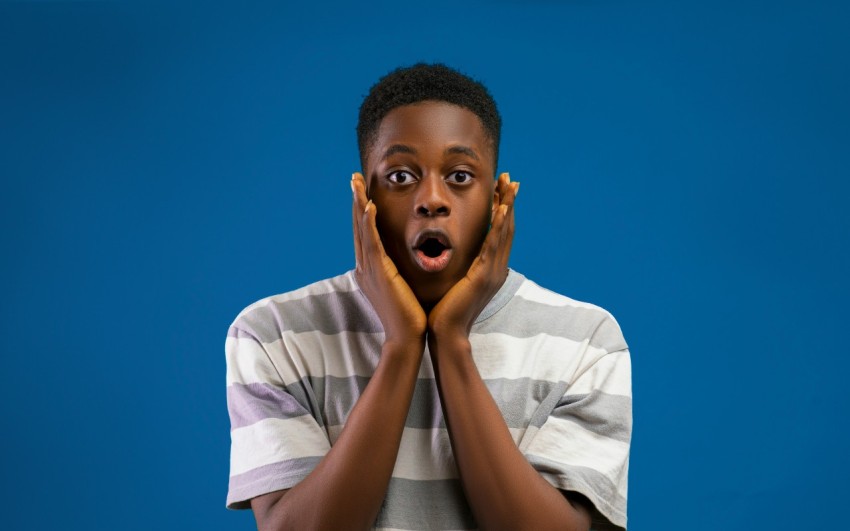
{"points": [[423, 210]]}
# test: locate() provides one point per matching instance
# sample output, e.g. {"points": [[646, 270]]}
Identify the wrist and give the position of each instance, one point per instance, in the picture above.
{"points": [[449, 342], [406, 347]]}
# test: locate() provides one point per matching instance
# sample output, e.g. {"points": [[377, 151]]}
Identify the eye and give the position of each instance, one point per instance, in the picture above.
{"points": [[460, 177], [401, 177]]}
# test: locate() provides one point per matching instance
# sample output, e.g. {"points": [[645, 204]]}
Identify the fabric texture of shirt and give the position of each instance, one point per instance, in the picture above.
{"points": [[558, 369]]}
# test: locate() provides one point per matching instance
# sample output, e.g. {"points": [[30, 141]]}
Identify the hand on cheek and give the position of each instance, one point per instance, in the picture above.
{"points": [[401, 315], [454, 314]]}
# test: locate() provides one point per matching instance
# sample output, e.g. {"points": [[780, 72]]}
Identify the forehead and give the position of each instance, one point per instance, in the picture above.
{"points": [[432, 126]]}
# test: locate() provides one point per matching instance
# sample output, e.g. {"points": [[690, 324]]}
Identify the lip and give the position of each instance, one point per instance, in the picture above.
{"points": [[428, 263]]}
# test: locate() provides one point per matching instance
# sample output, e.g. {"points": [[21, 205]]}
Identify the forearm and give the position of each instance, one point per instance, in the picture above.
{"points": [[346, 489], [502, 488]]}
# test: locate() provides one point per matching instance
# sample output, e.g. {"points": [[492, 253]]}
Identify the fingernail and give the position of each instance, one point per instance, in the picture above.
{"points": [[352, 186], [367, 206], [504, 209], [516, 189], [508, 176]]}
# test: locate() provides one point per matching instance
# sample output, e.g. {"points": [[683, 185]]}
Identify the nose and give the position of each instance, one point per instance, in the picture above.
{"points": [[432, 197]]}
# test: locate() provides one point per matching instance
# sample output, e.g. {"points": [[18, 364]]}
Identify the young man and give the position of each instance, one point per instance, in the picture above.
{"points": [[431, 387]]}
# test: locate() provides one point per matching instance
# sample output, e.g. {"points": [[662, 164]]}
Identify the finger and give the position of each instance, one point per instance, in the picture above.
{"points": [[511, 190], [500, 184], [491, 242], [507, 232], [501, 190], [362, 204], [373, 249], [356, 210]]}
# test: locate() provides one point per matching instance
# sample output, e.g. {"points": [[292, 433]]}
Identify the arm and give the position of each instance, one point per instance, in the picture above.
{"points": [[346, 489], [502, 488]]}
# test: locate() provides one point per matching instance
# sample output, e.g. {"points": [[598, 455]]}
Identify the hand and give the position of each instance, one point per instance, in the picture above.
{"points": [[398, 309], [454, 314]]}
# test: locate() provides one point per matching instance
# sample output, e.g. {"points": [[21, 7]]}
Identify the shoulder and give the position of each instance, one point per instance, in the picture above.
{"points": [[534, 310], [331, 306]]}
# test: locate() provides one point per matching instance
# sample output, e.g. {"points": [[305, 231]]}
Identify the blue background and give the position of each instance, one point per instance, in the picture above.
{"points": [[684, 165]]}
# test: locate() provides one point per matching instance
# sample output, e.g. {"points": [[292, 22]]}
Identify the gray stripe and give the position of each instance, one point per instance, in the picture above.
{"points": [[330, 400], [329, 313], [268, 478], [310, 397], [335, 398], [335, 312], [588, 481], [505, 293], [435, 504], [598, 412], [425, 408], [254, 402], [409, 504], [555, 393], [529, 319], [332, 313], [523, 402]]}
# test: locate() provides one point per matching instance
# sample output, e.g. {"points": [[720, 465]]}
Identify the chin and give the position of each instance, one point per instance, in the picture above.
{"points": [[429, 292]]}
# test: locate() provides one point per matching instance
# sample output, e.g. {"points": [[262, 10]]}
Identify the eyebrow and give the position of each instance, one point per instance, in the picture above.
{"points": [[453, 150], [398, 148], [462, 150]]}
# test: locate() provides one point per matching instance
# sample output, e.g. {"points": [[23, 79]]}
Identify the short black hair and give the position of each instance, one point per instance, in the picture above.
{"points": [[426, 82]]}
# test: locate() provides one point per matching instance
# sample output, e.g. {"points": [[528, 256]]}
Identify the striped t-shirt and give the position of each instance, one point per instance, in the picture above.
{"points": [[558, 369]]}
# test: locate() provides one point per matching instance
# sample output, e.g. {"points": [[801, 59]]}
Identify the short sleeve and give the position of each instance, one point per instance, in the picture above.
{"points": [[275, 441], [583, 446]]}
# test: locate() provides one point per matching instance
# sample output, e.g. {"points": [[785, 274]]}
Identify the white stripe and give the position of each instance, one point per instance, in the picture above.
{"points": [[496, 356], [425, 454], [247, 362], [346, 354], [611, 374], [530, 291], [554, 358], [273, 440], [568, 443], [340, 284]]}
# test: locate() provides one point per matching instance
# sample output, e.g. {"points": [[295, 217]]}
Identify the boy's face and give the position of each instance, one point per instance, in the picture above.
{"points": [[430, 173]]}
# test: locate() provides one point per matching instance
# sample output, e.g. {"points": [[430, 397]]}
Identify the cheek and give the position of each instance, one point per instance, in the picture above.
{"points": [[477, 223], [391, 225]]}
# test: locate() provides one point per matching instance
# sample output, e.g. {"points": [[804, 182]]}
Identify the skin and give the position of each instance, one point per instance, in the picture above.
{"points": [[431, 166]]}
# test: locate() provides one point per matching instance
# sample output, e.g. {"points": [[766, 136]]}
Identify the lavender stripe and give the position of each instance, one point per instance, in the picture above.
{"points": [[268, 478], [254, 402]]}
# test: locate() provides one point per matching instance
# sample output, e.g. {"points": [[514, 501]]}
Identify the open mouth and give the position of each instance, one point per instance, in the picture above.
{"points": [[432, 247], [432, 251]]}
